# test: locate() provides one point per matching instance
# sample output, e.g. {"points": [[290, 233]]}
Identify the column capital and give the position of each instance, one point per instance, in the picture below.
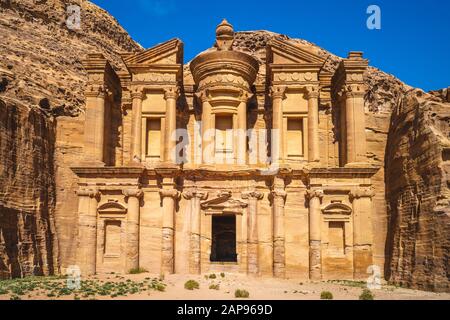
{"points": [[312, 92], [244, 96], [135, 193], [279, 194], [137, 92], [190, 194], [171, 93], [278, 92], [252, 195], [88, 192], [175, 194], [95, 91], [359, 193], [311, 194], [354, 91]]}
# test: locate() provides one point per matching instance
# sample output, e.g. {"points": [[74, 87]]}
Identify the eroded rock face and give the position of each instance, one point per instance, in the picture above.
{"points": [[417, 172], [41, 76]]}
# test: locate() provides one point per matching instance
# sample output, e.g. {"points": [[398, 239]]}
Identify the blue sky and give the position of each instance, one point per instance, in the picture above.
{"points": [[413, 43]]}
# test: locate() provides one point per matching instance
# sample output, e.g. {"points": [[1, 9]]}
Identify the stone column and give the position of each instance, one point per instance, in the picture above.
{"points": [[279, 259], [361, 199], [241, 147], [313, 124], [169, 199], [315, 236], [94, 125], [133, 197], [136, 142], [87, 230], [195, 234], [278, 94], [355, 124], [252, 231], [171, 96], [208, 153]]}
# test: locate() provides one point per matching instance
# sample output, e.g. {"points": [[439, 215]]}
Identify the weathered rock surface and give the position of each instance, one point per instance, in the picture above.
{"points": [[41, 70], [41, 76]]}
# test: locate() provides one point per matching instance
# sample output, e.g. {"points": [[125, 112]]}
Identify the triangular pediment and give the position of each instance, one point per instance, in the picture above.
{"points": [[170, 52], [283, 52]]}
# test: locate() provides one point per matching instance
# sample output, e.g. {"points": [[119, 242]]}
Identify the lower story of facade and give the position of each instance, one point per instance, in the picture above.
{"points": [[306, 224]]}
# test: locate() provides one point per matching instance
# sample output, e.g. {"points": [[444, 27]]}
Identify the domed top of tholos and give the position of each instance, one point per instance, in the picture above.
{"points": [[224, 66]]}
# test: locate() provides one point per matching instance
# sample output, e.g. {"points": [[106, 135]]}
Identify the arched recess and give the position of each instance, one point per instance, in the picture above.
{"points": [[112, 208], [337, 229]]}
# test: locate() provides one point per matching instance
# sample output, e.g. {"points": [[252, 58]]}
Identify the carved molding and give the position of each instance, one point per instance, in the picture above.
{"points": [[354, 91]]}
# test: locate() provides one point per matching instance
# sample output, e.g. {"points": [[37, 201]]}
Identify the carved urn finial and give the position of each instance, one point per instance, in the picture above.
{"points": [[224, 36]]}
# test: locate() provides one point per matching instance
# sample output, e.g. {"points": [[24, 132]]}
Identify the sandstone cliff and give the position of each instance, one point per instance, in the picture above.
{"points": [[41, 76]]}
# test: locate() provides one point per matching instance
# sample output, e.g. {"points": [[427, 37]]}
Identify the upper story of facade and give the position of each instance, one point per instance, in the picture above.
{"points": [[227, 109]]}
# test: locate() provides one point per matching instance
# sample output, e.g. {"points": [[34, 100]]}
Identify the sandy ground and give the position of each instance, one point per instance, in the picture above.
{"points": [[259, 289]]}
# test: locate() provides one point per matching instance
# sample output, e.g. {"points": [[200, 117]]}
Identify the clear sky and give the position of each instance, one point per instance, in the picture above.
{"points": [[413, 43]]}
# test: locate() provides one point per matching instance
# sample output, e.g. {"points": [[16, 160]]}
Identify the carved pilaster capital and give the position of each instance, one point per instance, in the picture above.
{"points": [[312, 194], [278, 92], [95, 91], [255, 195], [137, 92], [190, 194], [312, 92], [88, 192], [175, 194], [171, 93], [244, 96], [136, 193], [354, 91], [359, 193], [279, 194]]}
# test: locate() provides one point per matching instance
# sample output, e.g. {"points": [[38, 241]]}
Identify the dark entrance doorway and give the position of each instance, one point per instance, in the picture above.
{"points": [[223, 239]]}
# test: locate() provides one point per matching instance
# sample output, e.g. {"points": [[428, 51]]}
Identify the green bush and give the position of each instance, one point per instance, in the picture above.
{"points": [[212, 276], [137, 271], [241, 293], [214, 287], [326, 295], [191, 285], [366, 295], [222, 275]]}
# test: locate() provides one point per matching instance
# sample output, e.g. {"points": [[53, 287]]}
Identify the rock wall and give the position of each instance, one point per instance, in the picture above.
{"points": [[42, 81], [417, 191], [28, 240]]}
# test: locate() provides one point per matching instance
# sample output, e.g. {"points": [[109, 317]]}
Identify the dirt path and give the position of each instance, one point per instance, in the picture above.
{"points": [[259, 289]]}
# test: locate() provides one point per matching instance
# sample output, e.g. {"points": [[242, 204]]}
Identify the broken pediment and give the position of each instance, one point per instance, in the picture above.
{"points": [[167, 53], [223, 204], [283, 52]]}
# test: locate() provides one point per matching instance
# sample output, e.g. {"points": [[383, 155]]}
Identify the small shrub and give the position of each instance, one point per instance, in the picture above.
{"points": [[214, 287], [137, 271], [212, 276], [222, 275], [326, 295], [191, 285], [241, 293], [366, 295]]}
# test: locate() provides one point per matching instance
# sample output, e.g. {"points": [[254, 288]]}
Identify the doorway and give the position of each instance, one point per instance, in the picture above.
{"points": [[223, 239]]}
